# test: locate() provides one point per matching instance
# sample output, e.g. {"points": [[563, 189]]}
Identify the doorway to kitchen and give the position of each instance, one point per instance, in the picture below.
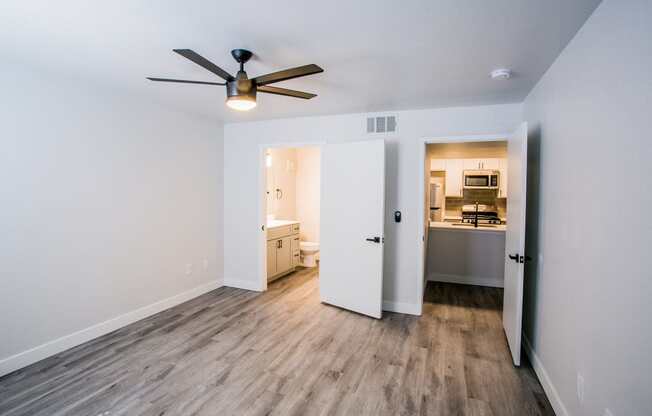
{"points": [[467, 212], [473, 219]]}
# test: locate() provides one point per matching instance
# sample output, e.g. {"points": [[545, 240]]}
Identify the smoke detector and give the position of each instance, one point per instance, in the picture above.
{"points": [[501, 74]]}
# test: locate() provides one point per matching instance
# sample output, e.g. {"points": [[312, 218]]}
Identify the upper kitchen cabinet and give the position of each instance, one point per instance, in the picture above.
{"points": [[491, 164], [455, 168], [437, 164], [472, 164], [481, 164], [454, 177]]}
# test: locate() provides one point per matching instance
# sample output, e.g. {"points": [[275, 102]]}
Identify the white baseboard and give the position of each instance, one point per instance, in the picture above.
{"points": [[25, 358], [243, 284], [466, 280], [542, 374], [402, 307]]}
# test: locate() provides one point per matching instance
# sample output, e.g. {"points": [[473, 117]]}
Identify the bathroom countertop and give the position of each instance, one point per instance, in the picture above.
{"points": [[280, 223]]}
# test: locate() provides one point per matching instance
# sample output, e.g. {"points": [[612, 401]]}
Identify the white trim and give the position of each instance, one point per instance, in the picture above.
{"points": [[25, 358], [421, 143], [466, 280], [546, 383], [402, 307], [244, 284]]}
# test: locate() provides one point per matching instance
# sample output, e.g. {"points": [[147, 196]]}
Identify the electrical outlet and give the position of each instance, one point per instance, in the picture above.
{"points": [[188, 269], [205, 264], [607, 412], [580, 388]]}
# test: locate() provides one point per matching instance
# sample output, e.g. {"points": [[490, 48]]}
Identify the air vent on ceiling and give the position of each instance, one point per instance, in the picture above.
{"points": [[381, 124]]}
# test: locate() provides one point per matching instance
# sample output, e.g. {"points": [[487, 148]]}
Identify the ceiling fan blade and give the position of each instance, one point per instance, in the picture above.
{"points": [[300, 71], [205, 63], [284, 91], [185, 81]]}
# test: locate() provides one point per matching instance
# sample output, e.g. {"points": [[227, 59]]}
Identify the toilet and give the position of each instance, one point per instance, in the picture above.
{"points": [[309, 253]]}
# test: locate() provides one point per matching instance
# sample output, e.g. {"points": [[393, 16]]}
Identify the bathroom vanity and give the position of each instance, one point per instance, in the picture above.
{"points": [[283, 248]]}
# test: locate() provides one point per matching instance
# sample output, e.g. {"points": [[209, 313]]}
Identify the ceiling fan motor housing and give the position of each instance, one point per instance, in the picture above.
{"points": [[241, 86]]}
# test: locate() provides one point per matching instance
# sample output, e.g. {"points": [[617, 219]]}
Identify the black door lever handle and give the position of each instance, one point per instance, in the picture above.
{"points": [[513, 257], [374, 239]]}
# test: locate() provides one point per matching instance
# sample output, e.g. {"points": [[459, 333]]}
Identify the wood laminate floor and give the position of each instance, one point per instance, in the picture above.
{"points": [[282, 352]]}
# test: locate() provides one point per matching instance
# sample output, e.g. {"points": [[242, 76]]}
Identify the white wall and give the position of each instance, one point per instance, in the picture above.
{"points": [[308, 172], [104, 200], [589, 298], [242, 160]]}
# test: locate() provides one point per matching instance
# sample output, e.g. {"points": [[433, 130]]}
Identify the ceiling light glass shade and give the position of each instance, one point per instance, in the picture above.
{"points": [[241, 102]]}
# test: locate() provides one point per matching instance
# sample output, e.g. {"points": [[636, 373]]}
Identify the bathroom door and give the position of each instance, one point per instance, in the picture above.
{"points": [[352, 225], [515, 240]]}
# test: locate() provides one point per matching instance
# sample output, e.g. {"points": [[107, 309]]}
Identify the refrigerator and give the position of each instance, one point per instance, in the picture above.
{"points": [[436, 197]]}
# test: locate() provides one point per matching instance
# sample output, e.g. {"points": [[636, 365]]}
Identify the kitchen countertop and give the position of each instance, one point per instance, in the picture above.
{"points": [[450, 226], [280, 223]]}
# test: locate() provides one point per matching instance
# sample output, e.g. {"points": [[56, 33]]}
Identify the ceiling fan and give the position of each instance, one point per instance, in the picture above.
{"points": [[240, 90]]}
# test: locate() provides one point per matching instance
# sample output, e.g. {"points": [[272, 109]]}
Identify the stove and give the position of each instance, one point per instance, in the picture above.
{"points": [[486, 214]]}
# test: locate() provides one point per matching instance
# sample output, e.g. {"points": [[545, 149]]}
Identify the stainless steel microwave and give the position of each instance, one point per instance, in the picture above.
{"points": [[481, 179]]}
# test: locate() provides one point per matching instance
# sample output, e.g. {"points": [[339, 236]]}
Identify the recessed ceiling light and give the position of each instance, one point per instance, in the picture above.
{"points": [[501, 74]]}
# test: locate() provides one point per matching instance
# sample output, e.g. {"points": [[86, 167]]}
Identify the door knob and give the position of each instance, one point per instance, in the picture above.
{"points": [[374, 239], [514, 257]]}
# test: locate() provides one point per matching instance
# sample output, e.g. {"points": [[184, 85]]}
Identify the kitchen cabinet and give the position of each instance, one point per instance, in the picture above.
{"points": [[454, 178], [502, 179], [454, 169], [437, 164], [491, 164], [283, 248], [472, 164], [481, 164]]}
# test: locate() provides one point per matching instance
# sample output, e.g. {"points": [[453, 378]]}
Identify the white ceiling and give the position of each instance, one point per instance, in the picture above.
{"points": [[377, 54]]}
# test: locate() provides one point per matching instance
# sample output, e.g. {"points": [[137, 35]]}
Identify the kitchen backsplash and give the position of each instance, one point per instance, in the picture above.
{"points": [[471, 196]]}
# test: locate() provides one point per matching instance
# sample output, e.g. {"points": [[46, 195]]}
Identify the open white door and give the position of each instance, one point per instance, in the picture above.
{"points": [[352, 224], [515, 240]]}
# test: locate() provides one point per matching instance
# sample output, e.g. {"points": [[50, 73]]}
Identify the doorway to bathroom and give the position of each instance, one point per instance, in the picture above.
{"points": [[310, 200], [291, 204]]}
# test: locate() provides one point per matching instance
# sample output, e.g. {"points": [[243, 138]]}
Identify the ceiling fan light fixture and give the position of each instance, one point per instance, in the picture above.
{"points": [[241, 93], [241, 102]]}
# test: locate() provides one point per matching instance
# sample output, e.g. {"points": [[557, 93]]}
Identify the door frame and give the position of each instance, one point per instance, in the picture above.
{"points": [[261, 201], [422, 144]]}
